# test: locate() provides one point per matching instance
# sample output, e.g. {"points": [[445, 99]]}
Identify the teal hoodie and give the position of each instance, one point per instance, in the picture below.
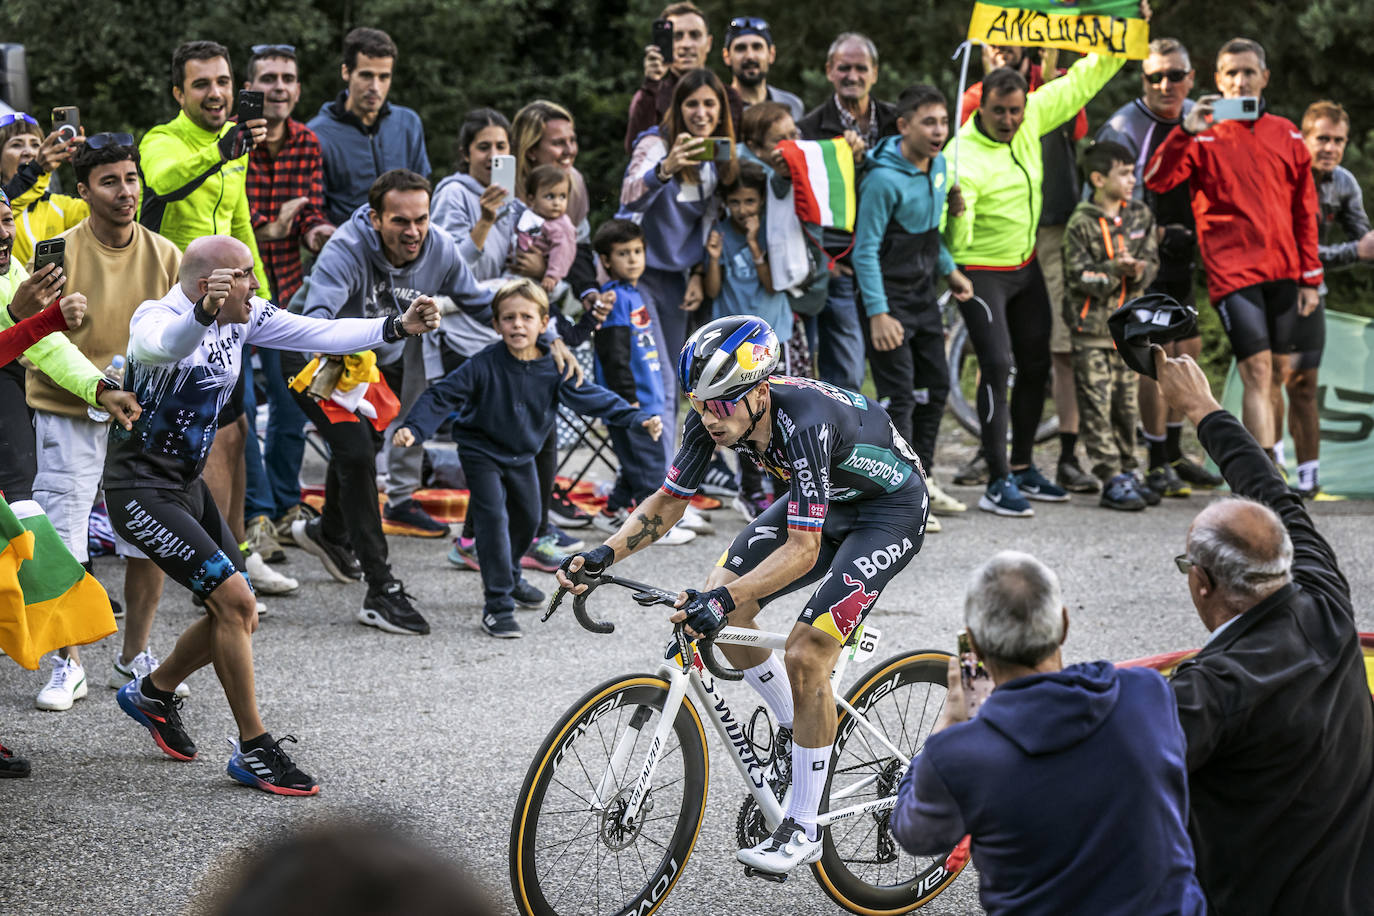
{"points": [[894, 189]]}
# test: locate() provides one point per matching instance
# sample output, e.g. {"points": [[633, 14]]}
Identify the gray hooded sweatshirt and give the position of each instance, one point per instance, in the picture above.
{"points": [[456, 209]]}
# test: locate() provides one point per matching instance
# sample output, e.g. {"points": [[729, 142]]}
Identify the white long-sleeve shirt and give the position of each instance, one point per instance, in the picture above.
{"points": [[183, 372]]}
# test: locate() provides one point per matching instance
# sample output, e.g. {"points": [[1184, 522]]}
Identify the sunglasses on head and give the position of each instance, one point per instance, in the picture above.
{"points": [[267, 50], [8, 119], [1173, 76], [742, 24], [106, 139]]}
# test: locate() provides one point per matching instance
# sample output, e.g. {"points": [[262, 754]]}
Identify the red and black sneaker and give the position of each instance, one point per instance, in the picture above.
{"points": [[161, 718], [269, 769], [12, 767], [565, 512]]}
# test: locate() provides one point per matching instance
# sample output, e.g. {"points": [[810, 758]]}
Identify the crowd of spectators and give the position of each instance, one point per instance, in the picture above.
{"points": [[1042, 234]]}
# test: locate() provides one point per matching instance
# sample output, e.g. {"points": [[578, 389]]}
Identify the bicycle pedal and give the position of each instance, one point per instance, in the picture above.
{"points": [[752, 872]]}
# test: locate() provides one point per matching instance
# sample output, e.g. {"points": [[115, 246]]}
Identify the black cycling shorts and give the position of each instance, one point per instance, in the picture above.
{"points": [[179, 530], [863, 545], [1309, 339], [1260, 317]]}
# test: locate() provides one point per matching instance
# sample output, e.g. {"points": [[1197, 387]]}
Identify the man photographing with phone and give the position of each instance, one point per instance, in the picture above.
{"points": [[1259, 246]]}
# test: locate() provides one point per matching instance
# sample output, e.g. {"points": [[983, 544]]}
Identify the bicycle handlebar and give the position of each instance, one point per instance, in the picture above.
{"points": [[645, 596]]}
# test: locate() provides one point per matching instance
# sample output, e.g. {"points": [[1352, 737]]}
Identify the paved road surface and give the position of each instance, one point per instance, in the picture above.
{"points": [[437, 732]]}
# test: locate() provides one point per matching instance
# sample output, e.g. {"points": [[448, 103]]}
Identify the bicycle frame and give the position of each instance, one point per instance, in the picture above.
{"points": [[703, 688]]}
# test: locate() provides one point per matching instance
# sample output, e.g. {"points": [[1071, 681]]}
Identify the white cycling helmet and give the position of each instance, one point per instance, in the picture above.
{"points": [[725, 359]]}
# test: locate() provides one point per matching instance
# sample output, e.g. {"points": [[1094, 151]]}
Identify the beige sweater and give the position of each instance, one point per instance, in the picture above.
{"points": [[115, 281]]}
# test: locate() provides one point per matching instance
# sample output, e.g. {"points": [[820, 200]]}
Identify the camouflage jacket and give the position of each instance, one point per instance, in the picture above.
{"points": [[1095, 283]]}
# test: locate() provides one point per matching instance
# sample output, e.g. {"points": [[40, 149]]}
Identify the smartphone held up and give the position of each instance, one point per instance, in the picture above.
{"points": [[977, 682]]}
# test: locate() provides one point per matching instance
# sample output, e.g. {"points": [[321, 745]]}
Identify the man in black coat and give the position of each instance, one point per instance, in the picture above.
{"points": [[1276, 707]]}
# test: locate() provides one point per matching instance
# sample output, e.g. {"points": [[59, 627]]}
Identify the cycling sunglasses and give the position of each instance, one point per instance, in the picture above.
{"points": [[106, 139], [7, 120], [1173, 76], [718, 408], [748, 25], [269, 50]]}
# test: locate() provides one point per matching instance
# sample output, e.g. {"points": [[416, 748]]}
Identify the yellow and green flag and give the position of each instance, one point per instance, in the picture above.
{"points": [[47, 600], [1109, 27]]}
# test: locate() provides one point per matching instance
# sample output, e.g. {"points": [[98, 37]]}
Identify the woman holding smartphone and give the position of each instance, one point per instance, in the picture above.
{"points": [[474, 211], [669, 189]]}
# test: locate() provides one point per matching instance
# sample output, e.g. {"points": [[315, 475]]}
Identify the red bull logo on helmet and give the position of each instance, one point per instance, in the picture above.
{"points": [[752, 355]]}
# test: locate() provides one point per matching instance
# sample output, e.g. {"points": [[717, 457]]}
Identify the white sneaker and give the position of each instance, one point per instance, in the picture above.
{"points": [[144, 664], [262, 610], [696, 522], [941, 502], [787, 848], [676, 536], [66, 686], [933, 525], [266, 580], [609, 521]]}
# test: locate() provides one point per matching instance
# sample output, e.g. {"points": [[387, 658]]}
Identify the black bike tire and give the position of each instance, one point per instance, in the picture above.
{"points": [[964, 411], [842, 886], [646, 690]]}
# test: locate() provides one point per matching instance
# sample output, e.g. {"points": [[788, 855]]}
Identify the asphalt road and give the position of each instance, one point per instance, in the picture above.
{"points": [[436, 733]]}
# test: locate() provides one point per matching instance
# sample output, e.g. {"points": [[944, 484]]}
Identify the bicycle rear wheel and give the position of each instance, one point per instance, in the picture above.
{"points": [[569, 853], [862, 868]]}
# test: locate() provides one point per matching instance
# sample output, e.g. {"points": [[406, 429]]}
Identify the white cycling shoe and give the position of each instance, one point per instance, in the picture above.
{"points": [[787, 848]]}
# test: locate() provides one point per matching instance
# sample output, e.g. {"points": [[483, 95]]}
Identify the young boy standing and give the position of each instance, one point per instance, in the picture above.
{"points": [[628, 364], [506, 399], [1111, 254], [899, 256]]}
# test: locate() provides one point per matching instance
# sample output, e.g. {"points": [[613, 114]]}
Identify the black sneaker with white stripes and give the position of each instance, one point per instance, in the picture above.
{"points": [[267, 767], [719, 479], [387, 607]]}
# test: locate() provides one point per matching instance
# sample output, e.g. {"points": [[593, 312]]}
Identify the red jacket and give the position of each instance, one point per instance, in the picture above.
{"points": [[1253, 199]]}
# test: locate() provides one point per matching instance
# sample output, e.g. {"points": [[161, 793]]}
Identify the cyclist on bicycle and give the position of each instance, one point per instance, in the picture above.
{"points": [[854, 516]]}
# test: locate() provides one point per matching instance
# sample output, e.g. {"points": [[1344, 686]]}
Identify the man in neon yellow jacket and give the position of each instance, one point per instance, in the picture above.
{"points": [[993, 241], [195, 167]]}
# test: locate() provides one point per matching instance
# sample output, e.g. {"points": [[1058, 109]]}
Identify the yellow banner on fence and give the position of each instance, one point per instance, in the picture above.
{"points": [[1021, 24]]}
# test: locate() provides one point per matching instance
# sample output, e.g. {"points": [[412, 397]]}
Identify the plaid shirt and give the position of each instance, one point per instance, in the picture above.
{"points": [[296, 171]]}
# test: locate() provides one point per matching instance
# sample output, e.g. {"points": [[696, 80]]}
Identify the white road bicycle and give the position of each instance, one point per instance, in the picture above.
{"points": [[612, 804]]}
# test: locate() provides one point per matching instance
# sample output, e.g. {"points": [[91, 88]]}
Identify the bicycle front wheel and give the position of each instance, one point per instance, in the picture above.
{"points": [[571, 851], [862, 868]]}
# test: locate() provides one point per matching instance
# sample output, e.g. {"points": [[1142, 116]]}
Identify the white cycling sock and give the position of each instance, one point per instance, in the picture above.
{"points": [[1307, 475], [1278, 453], [810, 766], [770, 680]]}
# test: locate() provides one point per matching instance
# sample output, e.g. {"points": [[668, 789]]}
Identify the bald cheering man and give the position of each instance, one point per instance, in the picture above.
{"points": [[184, 358]]}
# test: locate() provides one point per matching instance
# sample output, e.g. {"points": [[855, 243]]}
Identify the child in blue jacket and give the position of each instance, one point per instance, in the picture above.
{"points": [[505, 399]]}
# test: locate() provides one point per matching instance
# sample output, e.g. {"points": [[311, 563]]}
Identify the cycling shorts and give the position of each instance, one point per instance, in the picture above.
{"points": [[179, 530], [1260, 317], [1309, 338], [863, 545]]}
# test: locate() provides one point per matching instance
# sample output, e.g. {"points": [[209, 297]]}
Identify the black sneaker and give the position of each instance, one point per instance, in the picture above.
{"points": [[269, 769], [1074, 479], [411, 518], [1197, 475], [338, 559], [1121, 493], [527, 596], [12, 767], [501, 626], [161, 718], [387, 607], [1148, 494], [117, 608], [973, 474], [1165, 481], [565, 512]]}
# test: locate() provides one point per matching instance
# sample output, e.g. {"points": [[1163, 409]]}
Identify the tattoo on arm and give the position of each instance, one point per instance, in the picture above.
{"points": [[649, 530]]}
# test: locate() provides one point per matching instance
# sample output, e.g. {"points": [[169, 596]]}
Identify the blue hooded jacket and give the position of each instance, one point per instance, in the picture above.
{"points": [[1074, 788], [894, 197], [355, 154]]}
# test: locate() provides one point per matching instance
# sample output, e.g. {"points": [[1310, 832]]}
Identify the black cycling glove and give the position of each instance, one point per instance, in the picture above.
{"points": [[594, 561], [235, 143], [706, 611]]}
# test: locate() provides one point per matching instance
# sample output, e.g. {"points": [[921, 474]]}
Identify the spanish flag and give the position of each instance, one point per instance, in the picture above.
{"points": [[1108, 27], [47, 600]]}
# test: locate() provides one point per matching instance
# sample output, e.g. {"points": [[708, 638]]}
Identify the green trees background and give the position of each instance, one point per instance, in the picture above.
{"points": [[113, 58]]}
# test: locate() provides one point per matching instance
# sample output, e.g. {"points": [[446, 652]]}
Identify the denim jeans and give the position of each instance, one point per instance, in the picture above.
{"points": [[273, 479], [839, 336]]}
